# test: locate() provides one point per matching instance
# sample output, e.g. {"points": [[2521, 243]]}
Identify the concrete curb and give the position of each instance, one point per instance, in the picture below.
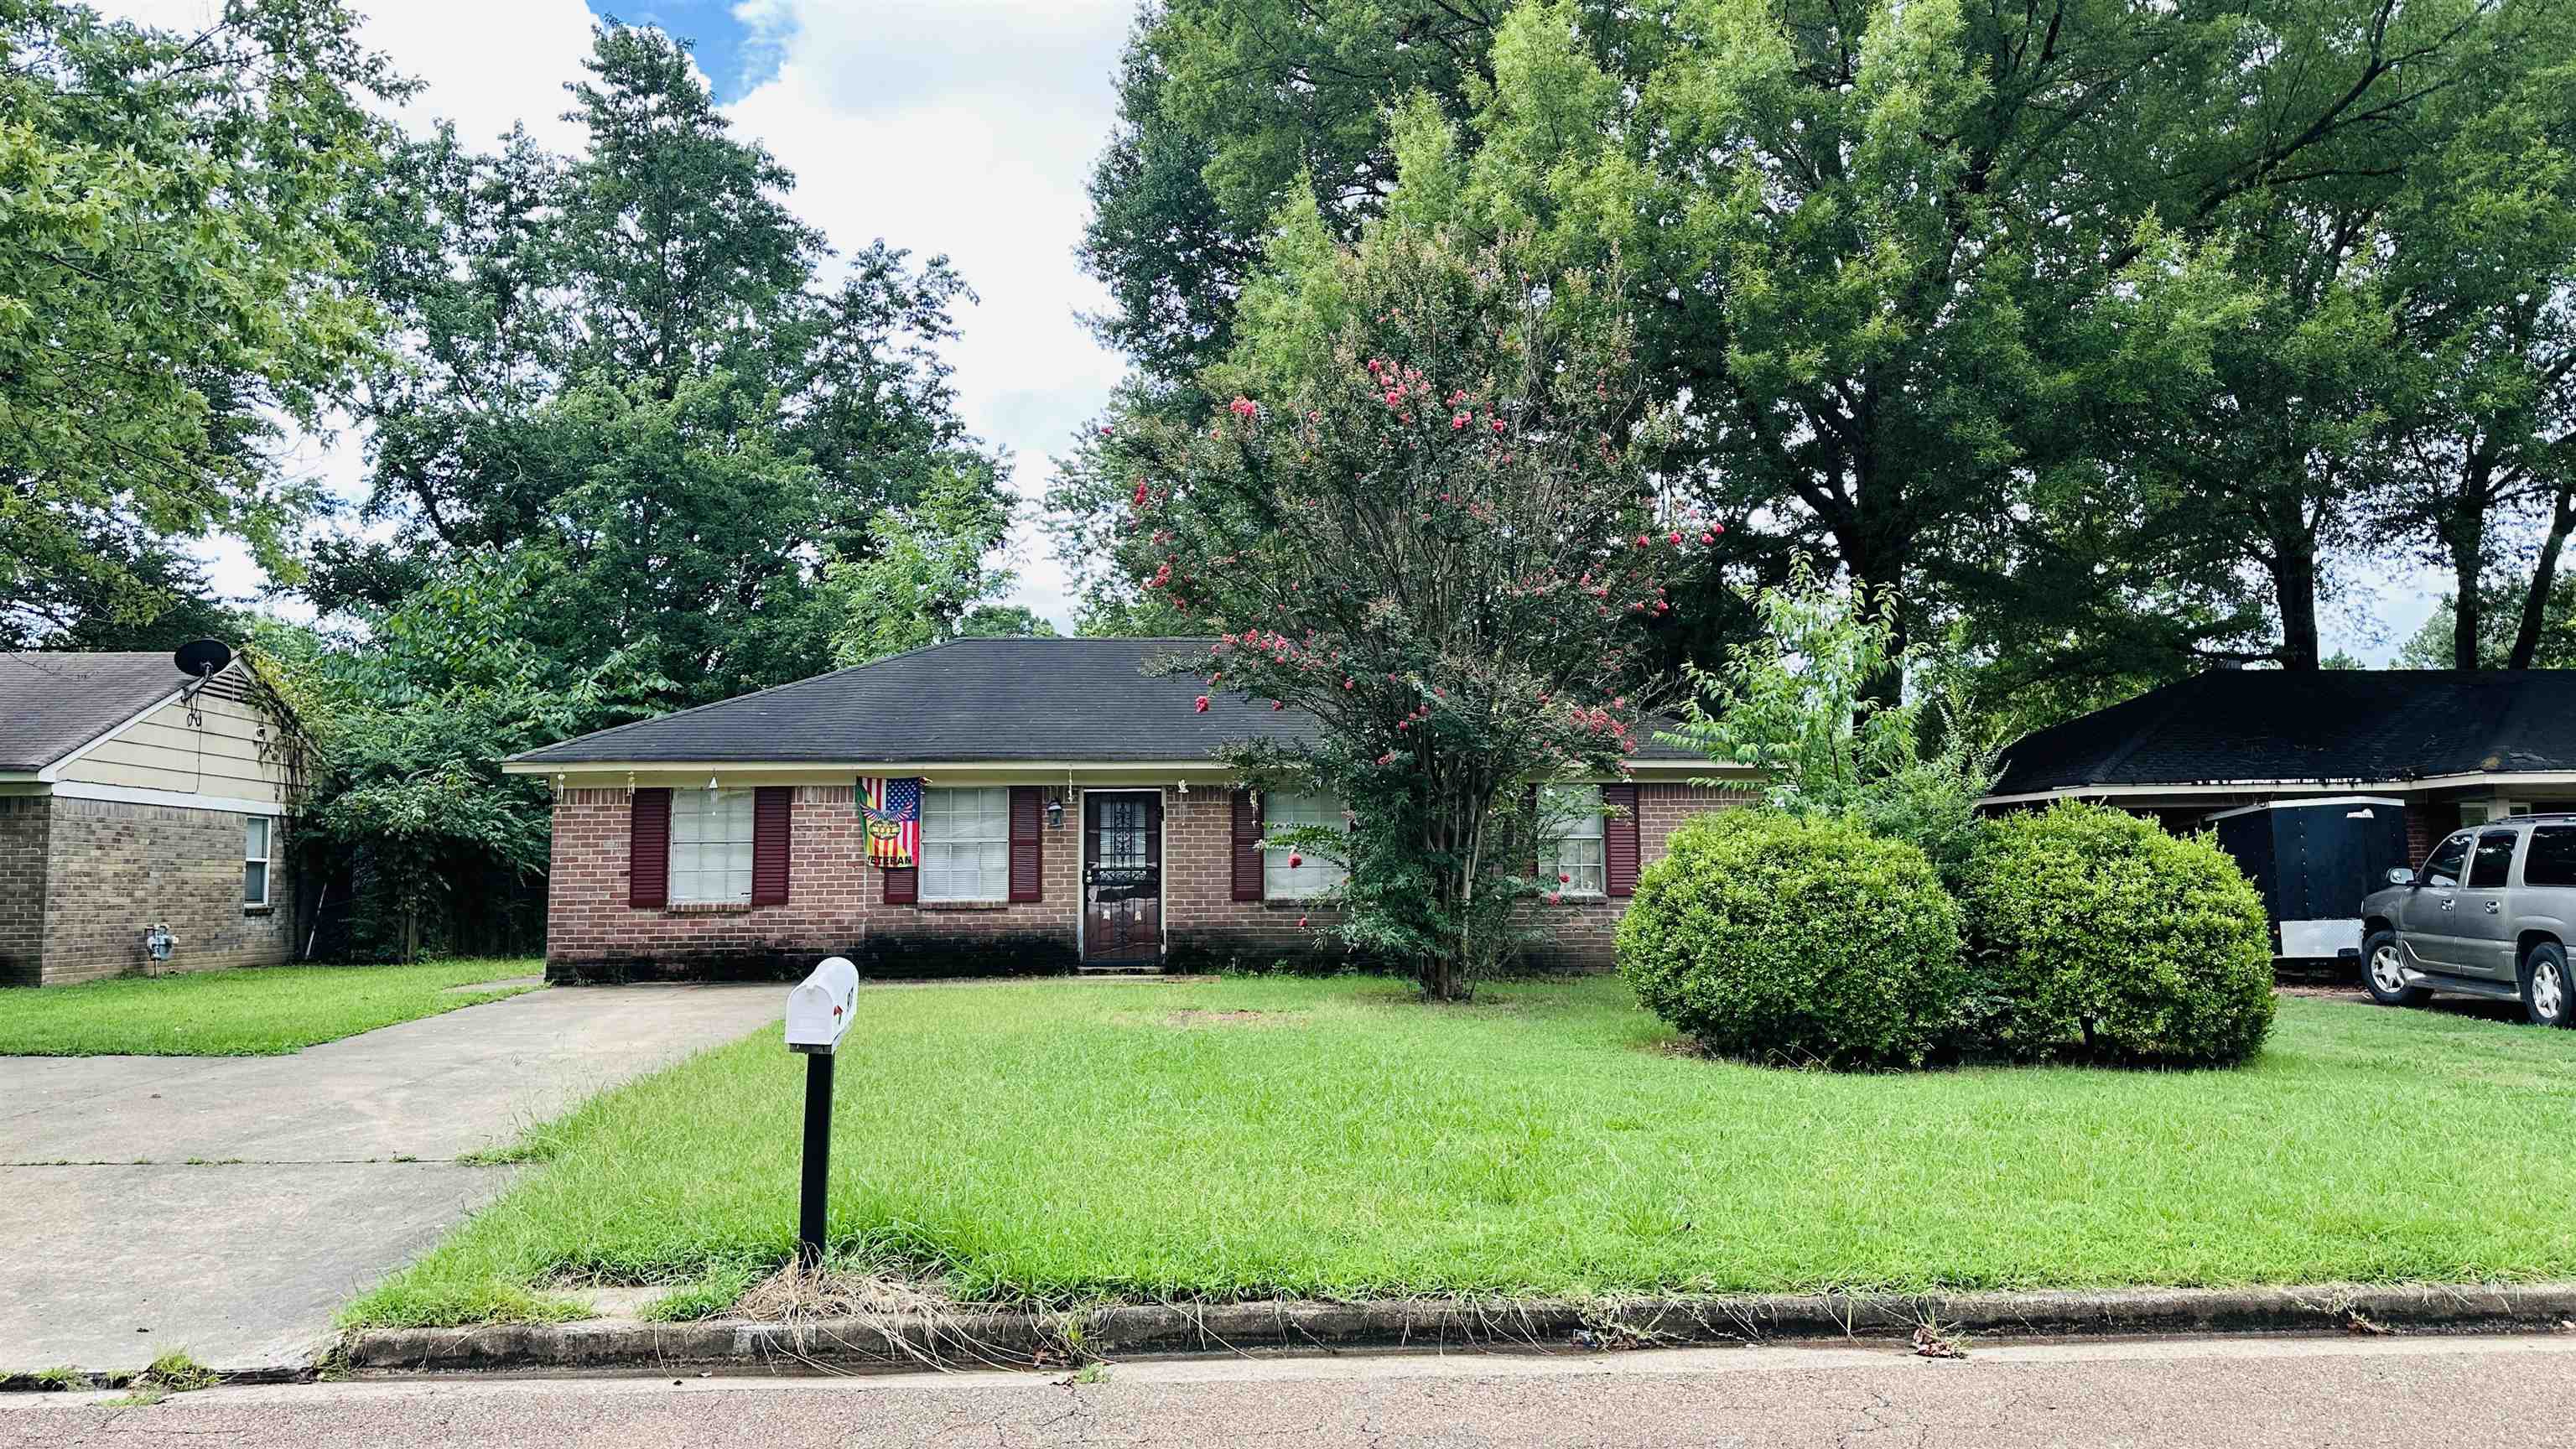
{"points": [[1020, 1339]]}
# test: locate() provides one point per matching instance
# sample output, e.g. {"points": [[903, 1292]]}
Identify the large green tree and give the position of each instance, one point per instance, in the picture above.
{"points": [[639, 368], [1871, 244], [179, 275]]}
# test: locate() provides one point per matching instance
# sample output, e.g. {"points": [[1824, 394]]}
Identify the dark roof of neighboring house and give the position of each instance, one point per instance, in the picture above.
{"points": [[52, 704], [2232, 725], [964, 701]]}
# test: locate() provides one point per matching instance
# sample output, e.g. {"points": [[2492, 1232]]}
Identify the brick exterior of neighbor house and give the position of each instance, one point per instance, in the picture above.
{"points": [[80, 880], [836, 901], [25, 821]]}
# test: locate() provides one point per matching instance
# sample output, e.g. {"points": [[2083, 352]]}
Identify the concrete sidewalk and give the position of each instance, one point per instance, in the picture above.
{"points": [[2354, 1393], [228, 1206]]}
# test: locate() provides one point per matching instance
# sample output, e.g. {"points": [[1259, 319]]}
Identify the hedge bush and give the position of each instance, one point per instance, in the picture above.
{"points": [[1802, 941], [2094, 935]]}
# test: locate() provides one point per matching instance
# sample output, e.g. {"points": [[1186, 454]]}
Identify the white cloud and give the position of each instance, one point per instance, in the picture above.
{"points": [[964, 127]]}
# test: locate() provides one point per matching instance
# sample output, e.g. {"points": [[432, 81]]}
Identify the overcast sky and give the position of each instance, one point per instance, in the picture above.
{"points": [[957, 126]]}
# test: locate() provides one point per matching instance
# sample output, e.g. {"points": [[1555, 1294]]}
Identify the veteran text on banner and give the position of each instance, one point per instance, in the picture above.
{"points": [[892, 807]]}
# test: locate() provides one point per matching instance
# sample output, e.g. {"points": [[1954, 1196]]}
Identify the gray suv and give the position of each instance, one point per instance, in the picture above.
{"points": [[2488, 914]]}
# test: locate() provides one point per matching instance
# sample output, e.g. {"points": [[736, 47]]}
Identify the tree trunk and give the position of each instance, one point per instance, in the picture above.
{"points": [[1876, 560], [2464, 534], [2468, 611], [2293, 567], [2544, 578]]}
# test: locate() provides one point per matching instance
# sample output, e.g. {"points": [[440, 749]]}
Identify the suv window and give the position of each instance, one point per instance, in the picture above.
{"points": [[2552, 858], [2447, 863], [2495, 859]]}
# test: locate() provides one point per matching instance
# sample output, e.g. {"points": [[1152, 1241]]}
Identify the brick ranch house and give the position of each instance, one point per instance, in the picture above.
{"points": [[132, 795], [1072, 816]]}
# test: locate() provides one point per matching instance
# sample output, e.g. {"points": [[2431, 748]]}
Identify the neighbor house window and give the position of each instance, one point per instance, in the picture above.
{"points": [[1570, 816], [255, 842], [711, 846], [966, 844], [1311, 875]]}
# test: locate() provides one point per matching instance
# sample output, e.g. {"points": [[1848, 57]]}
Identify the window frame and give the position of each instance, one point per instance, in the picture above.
{"points": [[944, 839], [2468, 842], [2532, 854], [2512, 840], [1315, 878], [1550, 861], [266, 860], [701, 807]]}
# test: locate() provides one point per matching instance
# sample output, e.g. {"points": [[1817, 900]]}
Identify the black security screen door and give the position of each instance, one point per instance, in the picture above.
{"points": [[1122, 877]]}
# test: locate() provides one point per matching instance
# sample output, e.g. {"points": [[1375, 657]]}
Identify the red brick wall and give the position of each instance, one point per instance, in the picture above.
{"points": [[836, 902], [2426, 822], [1584, 929]]}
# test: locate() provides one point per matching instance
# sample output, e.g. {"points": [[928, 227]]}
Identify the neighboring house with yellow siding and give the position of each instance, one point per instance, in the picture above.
{"points": [[135, 797]]}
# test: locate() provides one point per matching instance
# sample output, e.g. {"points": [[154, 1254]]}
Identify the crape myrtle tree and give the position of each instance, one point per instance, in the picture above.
{"points": [[1424, 520]]}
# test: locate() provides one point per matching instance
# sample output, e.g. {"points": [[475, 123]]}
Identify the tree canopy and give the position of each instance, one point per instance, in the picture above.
{"points": [[628, 367], [180, 272], [2114, 330]]}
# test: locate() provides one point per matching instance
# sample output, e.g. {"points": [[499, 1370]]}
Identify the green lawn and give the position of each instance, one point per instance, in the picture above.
{"points": [[255, 1011], [1066, 1144]]}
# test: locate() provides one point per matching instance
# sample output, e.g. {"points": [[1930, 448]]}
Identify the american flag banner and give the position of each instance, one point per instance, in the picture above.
{"points": [[892, 807]]}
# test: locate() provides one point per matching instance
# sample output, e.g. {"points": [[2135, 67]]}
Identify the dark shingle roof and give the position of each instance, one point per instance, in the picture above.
{"points": [[52, 704], [963, 701], [2331, 725]]}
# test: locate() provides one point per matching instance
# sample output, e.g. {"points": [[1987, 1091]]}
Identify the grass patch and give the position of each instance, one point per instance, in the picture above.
{"points": [[250, 1011], [712, 1293], [1040, 1145], [62, 1378]]}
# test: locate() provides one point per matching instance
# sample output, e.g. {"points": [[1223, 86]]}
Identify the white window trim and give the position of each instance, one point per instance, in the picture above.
{"points": [[1318, 878], [266, 860], [931, 839], [1548, 863], [749, 845]]}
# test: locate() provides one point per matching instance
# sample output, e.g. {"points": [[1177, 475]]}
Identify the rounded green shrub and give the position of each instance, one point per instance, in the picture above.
{"points": [[1795, 940], [2096, 936]]}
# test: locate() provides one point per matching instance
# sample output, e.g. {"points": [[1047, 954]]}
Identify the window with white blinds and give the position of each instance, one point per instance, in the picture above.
{"points": [[1310, 876], [1570, 860], [711, 846], [966, 844]]}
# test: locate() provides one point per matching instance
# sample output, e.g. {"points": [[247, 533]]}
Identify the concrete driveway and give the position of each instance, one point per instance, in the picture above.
{"points": [[228, 1206]]}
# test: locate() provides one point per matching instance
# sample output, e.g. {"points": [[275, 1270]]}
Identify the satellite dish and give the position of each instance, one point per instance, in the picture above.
{"points": [[201, 658]]}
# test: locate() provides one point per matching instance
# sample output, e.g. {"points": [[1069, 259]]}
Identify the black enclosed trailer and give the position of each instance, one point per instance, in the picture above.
{"points": [[2314, 860]]}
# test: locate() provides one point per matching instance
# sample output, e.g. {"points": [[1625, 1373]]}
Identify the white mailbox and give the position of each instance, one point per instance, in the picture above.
{"points": [[819, 1008]]}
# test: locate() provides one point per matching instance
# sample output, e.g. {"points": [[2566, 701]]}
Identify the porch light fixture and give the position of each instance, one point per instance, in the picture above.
{"points": [[1055, 810], [711, 785]]}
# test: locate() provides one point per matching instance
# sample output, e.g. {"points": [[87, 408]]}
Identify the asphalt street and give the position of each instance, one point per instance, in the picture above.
{"points": [[2460, 1393]]}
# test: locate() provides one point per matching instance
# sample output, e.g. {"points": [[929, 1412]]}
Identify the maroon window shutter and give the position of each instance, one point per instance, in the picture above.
{"points": [[902, 885], [648, 849], [771, 808], [1247, 846], [1619, 840], [1028, 843]]}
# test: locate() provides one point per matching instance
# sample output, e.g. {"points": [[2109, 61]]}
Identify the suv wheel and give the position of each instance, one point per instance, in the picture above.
{"points": [[2383, 972], [2548, 993]]}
